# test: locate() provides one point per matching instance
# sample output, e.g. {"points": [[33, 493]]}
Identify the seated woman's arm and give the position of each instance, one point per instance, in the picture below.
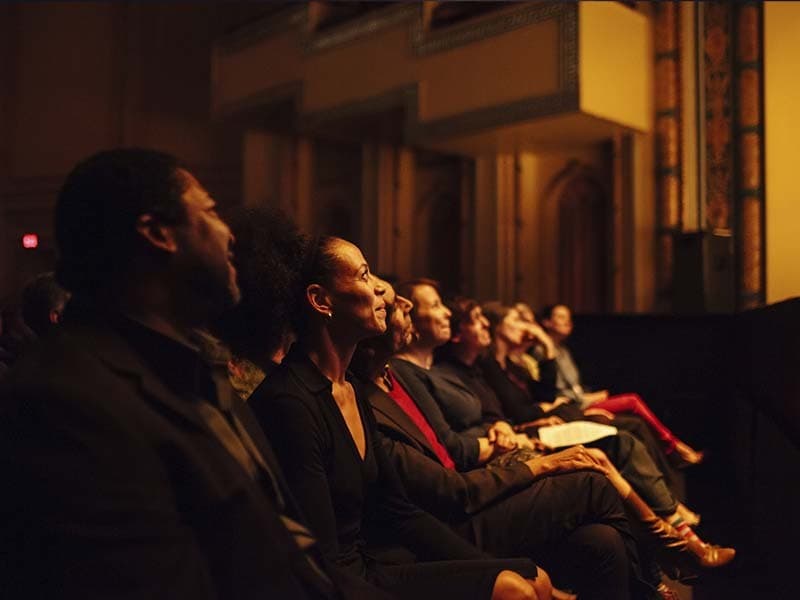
{"points": [[298, 440], [449, 495]]}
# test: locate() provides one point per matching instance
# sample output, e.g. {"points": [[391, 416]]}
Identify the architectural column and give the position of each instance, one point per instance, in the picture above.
{"points": [[717, 30], [278, 171], [495, 228], [388, 208], [749, 140], [668, 143]]}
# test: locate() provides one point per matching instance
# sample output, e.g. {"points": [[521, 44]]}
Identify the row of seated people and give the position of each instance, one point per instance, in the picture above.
{"points": [[135, 471], [440, 424]]}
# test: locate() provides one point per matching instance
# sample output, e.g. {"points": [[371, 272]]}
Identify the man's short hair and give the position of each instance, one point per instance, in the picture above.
{"points": [[41, 295], [97, 210]]}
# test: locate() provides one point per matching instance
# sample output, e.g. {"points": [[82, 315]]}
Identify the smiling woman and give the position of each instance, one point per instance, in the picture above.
{"points": [[326, 440]]}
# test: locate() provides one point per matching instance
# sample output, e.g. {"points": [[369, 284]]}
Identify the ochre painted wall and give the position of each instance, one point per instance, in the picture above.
{"points": [[450, 82], [782, 148], [613, 64]]}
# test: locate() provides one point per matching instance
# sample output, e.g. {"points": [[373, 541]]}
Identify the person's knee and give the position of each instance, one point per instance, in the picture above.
{"points": [[512, 586], [604, 548]]}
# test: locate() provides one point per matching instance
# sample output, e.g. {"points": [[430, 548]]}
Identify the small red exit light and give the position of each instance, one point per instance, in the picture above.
{"points": [[30, 241]]}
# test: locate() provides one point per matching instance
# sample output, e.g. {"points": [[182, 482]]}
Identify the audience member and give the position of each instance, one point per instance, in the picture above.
{"points": [[483, 433], [507, 510], [466, 344], [267, 257], [43, 302], [557, 320], [130, 470], [325, 437]]}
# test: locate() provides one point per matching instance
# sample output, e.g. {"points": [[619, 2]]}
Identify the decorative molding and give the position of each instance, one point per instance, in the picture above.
{"points": [[264, 99], [264, 28], [495, 116], [749, 155], [568, 45], [486, 26], [566, 99], [668, 143], [719, 87], [370, 23]]}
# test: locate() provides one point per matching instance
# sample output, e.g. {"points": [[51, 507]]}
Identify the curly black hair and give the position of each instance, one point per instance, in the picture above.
{"points": [[269, 256]]}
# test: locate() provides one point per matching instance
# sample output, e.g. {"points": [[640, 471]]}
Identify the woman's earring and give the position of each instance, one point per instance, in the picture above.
{"points": [[329, 314]]}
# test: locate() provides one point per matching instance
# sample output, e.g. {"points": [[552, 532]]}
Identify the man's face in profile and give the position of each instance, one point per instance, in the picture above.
{"points": [[205, 248]]}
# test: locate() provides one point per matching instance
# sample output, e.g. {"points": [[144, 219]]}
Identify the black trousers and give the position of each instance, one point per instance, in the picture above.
{"points": [[573, 525], [635, 464]]}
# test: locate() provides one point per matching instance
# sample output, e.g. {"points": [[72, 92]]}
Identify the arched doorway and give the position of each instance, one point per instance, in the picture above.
{"points": [[584, 243]]}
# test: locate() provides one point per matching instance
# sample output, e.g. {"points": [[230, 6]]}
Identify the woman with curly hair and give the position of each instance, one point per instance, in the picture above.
{"points": [[325, 438]]}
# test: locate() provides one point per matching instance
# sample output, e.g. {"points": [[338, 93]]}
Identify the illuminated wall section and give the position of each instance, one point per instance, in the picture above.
{"points": [[782, 139], [614, 64]]}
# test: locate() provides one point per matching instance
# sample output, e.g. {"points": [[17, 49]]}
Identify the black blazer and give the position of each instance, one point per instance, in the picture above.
{"points": [[114, 487], [451, 496], [349, 507]]}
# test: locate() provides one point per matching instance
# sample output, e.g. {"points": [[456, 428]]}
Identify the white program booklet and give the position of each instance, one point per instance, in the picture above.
{"points": [[577, 432]]}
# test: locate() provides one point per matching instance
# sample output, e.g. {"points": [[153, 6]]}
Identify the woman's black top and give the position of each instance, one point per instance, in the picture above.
{"points": [[355, 507]]}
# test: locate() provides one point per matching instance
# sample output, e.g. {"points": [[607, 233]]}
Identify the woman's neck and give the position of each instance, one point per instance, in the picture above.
{"points": [[419, 355], [331, 356], [500, 351]]}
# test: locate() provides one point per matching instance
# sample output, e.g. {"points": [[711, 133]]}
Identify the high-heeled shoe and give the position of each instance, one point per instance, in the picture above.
{"points": [[683, 456], [682, 559], [665, 592]]}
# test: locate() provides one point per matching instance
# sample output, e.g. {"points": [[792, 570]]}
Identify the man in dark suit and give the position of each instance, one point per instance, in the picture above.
{"points": [[129, 468], [573, 523]]}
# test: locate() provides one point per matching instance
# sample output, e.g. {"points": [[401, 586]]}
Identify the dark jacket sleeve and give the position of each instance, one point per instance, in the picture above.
{"points": [[83, 490], [298, 439], [516, 403], [463, 449], [449, 495], [393, 512]]}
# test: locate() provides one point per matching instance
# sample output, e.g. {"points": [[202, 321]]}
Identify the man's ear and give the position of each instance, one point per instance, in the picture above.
{"points": [[319, 299], [158, 234]]}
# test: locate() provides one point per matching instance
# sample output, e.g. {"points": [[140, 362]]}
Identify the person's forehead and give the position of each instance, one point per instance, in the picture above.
{"points": [[193, 190], [349, 250], [426, 294]]}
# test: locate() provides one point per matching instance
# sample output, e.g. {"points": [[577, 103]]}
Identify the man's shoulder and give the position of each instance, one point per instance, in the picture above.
{"points": [[59, 359], [71, 363]]}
